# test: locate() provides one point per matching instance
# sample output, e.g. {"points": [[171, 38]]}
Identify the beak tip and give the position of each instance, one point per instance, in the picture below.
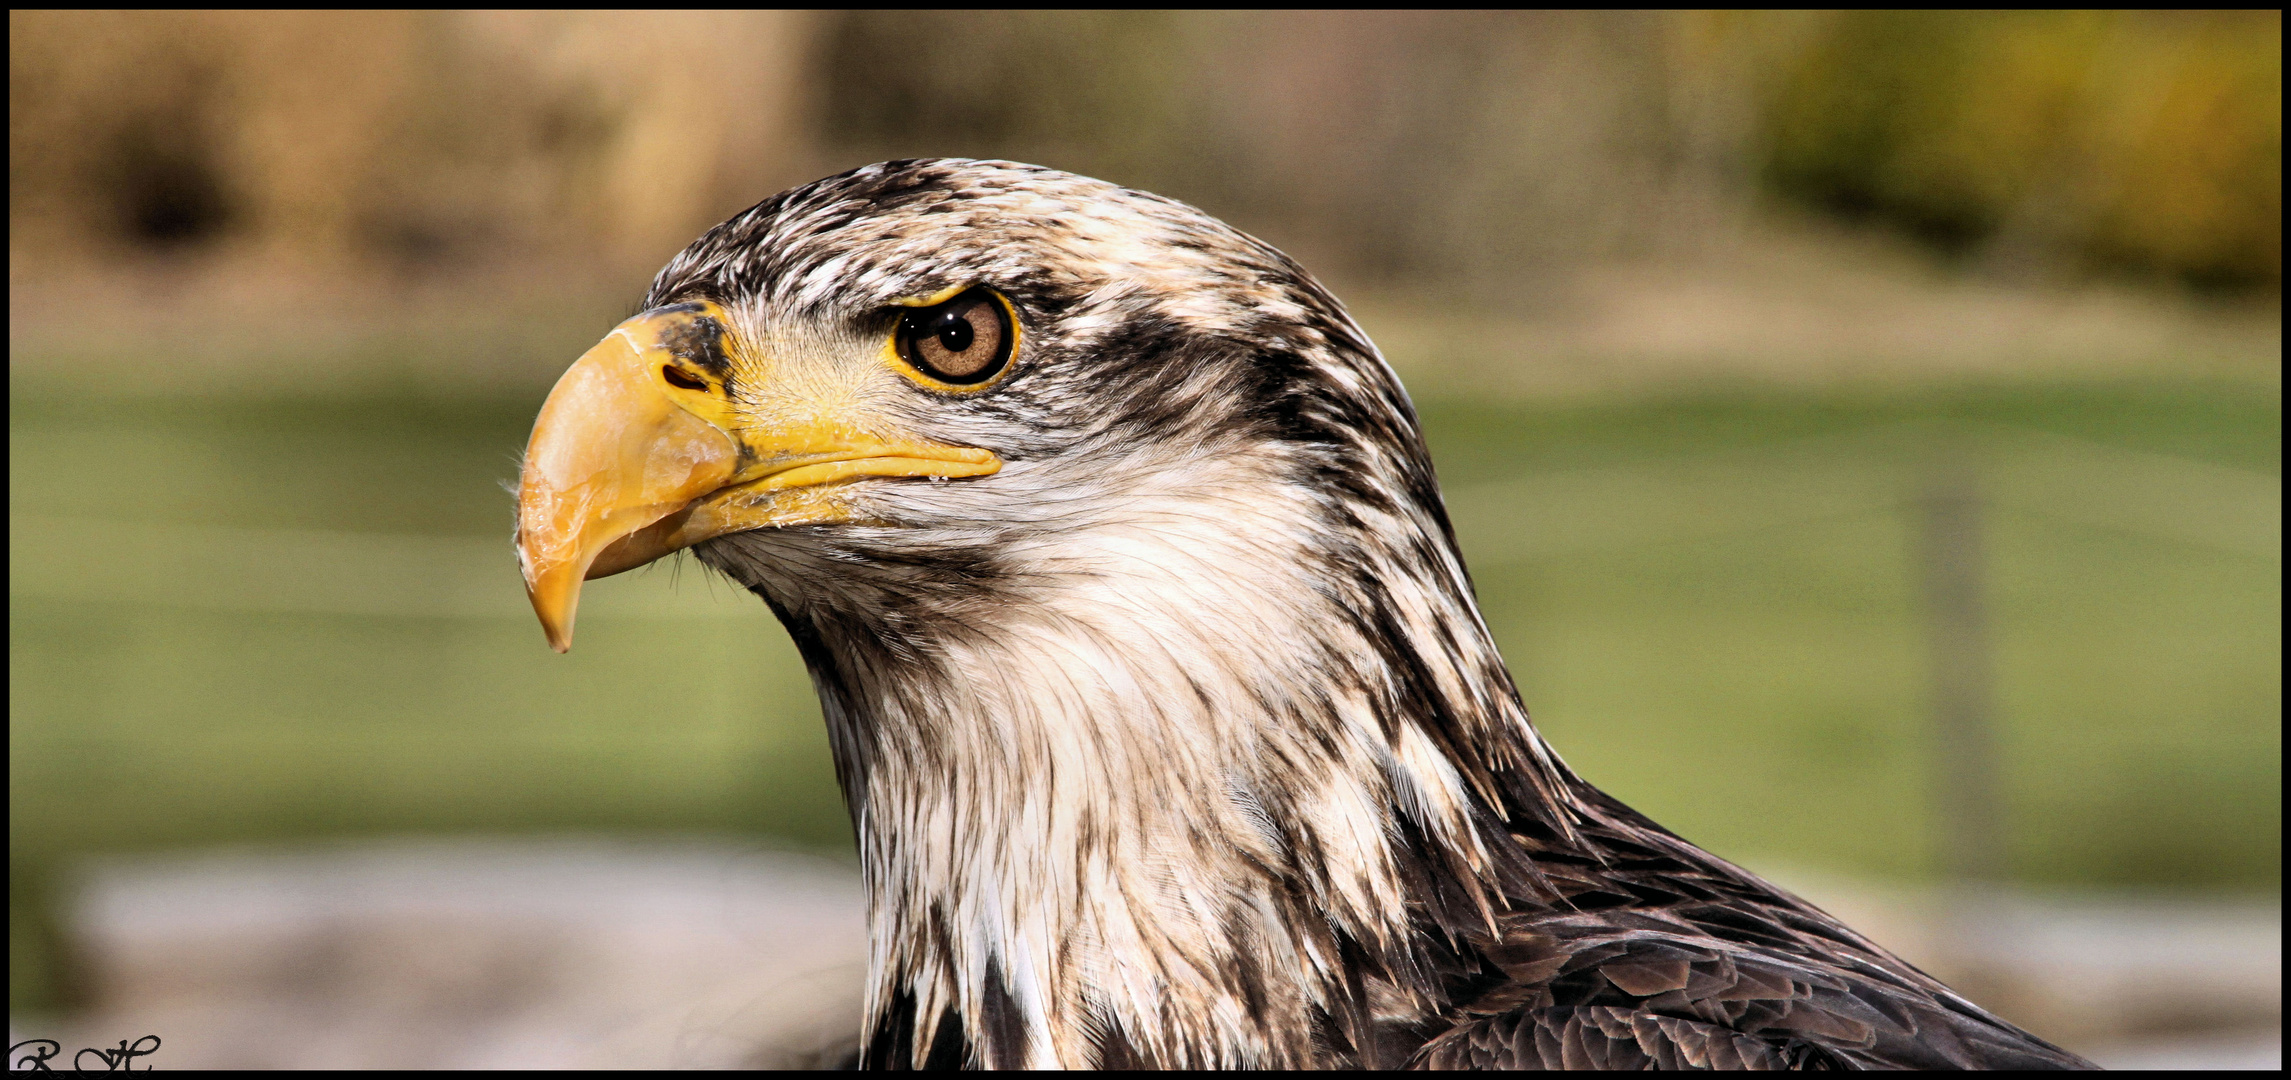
{"points": [[559, 632], [554, 603]]}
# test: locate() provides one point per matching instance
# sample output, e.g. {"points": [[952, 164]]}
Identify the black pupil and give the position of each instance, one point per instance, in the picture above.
{"points": [[955, 332]]}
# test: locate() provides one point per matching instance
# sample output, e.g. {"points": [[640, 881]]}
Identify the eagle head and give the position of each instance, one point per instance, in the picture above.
{"points": [[1081, 356]]}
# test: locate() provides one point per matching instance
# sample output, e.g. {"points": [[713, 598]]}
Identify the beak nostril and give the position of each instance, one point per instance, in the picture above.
{"points": [[679, 379]]}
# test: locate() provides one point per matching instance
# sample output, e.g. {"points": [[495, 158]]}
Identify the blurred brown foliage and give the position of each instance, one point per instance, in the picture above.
{"points": [[1457, 152], [1454, 149], [332, 141]]}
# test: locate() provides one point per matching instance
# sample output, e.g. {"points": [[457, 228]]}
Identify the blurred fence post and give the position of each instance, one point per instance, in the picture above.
{"points": [[1953, 565]]}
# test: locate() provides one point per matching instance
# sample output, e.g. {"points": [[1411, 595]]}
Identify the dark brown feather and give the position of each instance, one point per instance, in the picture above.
{"points": [[1666, 957]]}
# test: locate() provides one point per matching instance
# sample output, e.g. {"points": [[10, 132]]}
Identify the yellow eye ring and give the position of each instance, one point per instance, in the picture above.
{"points": [[958, 340]]}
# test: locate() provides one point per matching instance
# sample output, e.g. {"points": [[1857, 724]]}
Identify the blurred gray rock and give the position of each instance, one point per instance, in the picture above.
{"points": [[693, 953], [475, 954]]}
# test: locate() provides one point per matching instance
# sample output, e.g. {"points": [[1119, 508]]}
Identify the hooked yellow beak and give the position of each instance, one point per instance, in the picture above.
{"points": [[641, 451]]}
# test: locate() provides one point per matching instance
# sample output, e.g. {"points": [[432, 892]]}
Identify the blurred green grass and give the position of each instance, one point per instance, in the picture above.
{"points": [[242, 620], [1739, 650]]}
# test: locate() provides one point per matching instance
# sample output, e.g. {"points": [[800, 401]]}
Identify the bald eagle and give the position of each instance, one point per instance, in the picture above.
{"points": [[1169, 728]]}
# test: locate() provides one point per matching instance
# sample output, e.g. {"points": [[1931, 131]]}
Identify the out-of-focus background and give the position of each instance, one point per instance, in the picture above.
{"points": [[1864, 430]]}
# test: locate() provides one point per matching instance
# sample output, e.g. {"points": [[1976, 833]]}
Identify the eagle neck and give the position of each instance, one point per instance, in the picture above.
{"points": [[1180, 790]]}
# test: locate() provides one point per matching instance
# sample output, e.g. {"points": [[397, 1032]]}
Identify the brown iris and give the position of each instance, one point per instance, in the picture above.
{"points": [[963, 341]]}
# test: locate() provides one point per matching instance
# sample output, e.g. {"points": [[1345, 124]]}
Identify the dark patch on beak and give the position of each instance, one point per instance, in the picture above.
{"points": [[697, 341]]}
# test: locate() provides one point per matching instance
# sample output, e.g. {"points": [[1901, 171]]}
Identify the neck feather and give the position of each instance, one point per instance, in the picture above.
{"points": [[1183, 790]]}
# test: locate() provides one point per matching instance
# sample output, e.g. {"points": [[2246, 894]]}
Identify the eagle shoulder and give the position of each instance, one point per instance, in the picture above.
{"points": [[1656, 954]]}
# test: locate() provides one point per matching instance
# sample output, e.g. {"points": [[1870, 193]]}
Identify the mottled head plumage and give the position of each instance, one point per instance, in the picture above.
{"points": [[1140, 310]]}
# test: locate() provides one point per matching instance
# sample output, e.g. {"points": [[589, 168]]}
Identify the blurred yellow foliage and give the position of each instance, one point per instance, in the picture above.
{"points": [[2150, 141]]}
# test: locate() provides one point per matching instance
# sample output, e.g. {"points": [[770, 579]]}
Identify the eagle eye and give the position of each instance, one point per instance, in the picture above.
{"points": [[964, 341]]}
